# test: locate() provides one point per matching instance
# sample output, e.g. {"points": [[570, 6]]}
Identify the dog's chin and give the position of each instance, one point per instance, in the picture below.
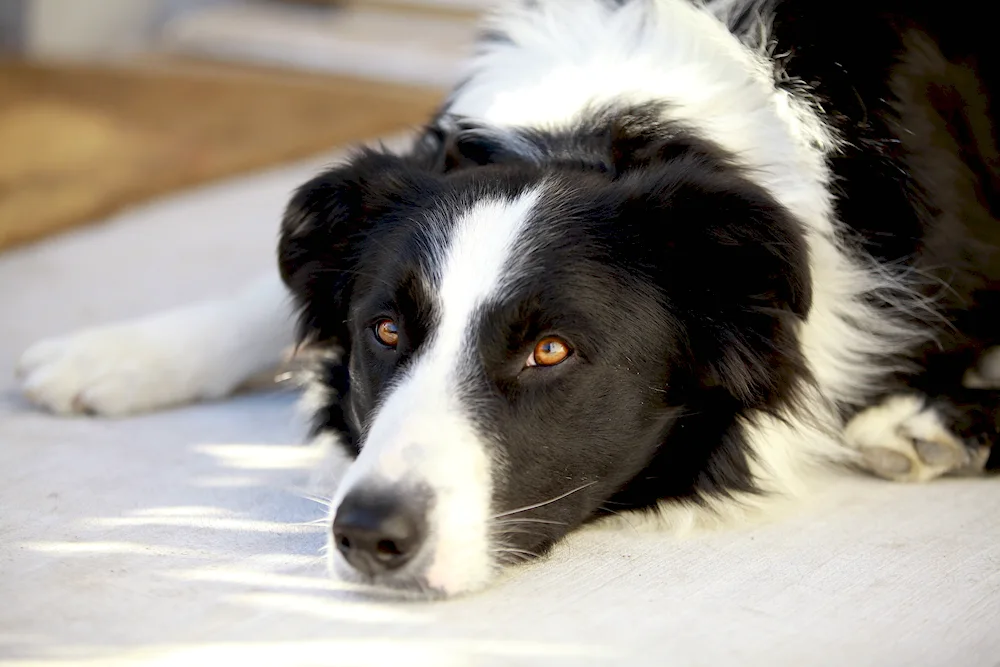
{"points": [[421, 580]]}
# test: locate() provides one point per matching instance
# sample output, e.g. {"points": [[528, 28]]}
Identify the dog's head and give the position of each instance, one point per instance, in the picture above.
{"points": [[532, 330]]}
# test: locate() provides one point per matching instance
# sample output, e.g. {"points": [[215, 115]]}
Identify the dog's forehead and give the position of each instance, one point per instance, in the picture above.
{"points": [[484, 247], [452, 255], [491, 258]]}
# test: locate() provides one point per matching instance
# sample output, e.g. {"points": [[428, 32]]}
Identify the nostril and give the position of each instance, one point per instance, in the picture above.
{"points": [[387, 549]]}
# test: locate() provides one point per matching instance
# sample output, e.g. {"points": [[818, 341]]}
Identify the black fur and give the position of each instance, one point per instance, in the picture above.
{"points": [[679, 283], [912, 94], [669, 350]]}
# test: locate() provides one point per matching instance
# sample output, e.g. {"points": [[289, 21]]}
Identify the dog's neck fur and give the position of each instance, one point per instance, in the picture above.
{"points": [[546, 64], [539, 74]]}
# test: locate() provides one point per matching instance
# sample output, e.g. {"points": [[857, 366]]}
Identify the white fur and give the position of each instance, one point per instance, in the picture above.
{"points": [[905, 440], [202, 351], [571, 55], [422, 433]]}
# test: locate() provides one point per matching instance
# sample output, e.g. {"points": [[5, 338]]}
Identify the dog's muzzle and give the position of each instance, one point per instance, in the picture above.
{"points": [[380, 530]]}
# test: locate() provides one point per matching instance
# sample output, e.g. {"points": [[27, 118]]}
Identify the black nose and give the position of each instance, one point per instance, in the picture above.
{"points": [[379, 531]]}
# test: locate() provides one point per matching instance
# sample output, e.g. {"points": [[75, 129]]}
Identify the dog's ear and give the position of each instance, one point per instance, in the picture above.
{"points": [[451, 143], [477, 145], [613, 146], [323, 234], [731, 263]]}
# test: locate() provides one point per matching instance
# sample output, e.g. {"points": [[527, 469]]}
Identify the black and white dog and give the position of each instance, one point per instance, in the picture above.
{"points": [[661, 255]]}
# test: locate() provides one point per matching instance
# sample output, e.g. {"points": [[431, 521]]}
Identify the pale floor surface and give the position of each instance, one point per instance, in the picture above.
{"points": [[182, 538]]}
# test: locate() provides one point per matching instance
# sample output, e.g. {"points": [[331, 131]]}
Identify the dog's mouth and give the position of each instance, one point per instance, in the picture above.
{"points": [[419, 577], [419, 543]]}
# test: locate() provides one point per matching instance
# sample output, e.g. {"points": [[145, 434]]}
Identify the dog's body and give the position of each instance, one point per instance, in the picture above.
{"points": [[651, 254]]}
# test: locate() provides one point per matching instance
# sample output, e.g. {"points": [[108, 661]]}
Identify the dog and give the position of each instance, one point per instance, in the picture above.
{"points": [[674, 258]]}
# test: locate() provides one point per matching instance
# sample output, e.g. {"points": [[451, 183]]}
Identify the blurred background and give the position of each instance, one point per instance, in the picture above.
{"points": [[107, 103]]}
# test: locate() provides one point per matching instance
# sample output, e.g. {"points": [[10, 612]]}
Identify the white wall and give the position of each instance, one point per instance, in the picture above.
{"points": [[88, 28], [453, 4]]}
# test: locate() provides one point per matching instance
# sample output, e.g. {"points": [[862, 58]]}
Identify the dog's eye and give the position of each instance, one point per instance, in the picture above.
{"points": [[549, 352], [387, 333]]}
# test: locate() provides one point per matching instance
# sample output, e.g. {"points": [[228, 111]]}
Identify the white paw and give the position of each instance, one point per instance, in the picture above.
{"points": [[109, 371], [123, 369], [905, 440]]}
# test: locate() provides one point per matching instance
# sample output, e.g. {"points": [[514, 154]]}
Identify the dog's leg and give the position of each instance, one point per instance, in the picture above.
{"points": [[197, 352], [913, 437]]}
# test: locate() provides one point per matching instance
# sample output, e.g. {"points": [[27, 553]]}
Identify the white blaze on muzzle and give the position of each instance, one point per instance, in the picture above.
{"points": [[423, 442]]}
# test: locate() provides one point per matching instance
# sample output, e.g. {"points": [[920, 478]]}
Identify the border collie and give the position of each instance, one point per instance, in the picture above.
{"points": [[666, 256]]}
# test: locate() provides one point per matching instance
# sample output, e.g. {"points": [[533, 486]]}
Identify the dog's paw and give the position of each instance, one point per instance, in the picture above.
{"points": [[906, 440], [114, 371]]}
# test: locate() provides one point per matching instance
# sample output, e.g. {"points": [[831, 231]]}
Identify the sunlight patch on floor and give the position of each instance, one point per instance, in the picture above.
{"points": [[184, 510], [322, 653], [244, 577], [104, 548], [210, 523], [332, 609], [264, 457]]}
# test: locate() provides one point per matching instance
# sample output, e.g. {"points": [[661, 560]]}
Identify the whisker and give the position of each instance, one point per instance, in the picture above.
{"points": [[620, 515], [319, 500], [545, 502], [507, 522], [508, 550], [515, 531]]}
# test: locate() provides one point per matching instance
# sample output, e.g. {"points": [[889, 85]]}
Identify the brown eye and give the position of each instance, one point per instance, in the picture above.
{"points": [[549, 352], [387, 333]]}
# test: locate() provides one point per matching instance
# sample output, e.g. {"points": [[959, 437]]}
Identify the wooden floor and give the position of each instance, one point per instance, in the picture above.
{"points": [[80, 143]]}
